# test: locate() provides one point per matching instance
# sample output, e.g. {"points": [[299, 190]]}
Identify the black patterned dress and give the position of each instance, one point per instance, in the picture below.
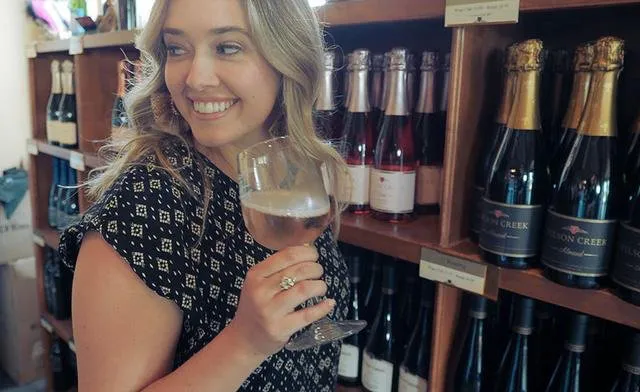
{"points": [[154, 223]]}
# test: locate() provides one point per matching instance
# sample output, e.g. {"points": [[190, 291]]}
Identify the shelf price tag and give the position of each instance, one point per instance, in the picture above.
{"points": [[32, 147], [474, 12], [45, 324], [75, 45], [463, 274], [31, 50], [71, 345], [76, 161], [38, 240]]}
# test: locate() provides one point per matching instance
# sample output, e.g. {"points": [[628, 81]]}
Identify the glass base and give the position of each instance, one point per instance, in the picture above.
{"points": [[325, 331]]}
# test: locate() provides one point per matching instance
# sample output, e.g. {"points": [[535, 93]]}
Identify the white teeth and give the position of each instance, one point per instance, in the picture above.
{"points": [[211, 107]]}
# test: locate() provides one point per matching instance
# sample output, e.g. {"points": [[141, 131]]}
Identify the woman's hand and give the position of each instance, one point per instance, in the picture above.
{"points": [[266, 316]]}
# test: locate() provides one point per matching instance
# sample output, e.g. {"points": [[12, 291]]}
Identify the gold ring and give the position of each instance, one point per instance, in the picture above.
{"points": [[286, 283]]}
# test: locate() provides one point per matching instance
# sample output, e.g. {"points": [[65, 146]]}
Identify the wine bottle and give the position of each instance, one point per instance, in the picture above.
{"points": [[515, 196], [379, 367], [61, 281], [393, 178], [632, 166], [629, 378], [351, 354], [514, 373], [377, 87], [408, 298], [427, 142], [555, 101], [626, 267], [72, 209], [68, 129], [414, 368], [493, 139], [347, 82], [49, 293], [444, 100], [386, 79], [581, 221], [500, 316], [373, 291], [61, 379], [582, 62], [470, 371], [325, 107], [53, 194], [53, 104], [119, 117], [357, 142], [566, 376], [543, 346], [411, 81], [63, 199]]}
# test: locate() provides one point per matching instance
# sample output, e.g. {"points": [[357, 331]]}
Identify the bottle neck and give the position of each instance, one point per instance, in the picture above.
{"points": [[577, 100], [385, 90], [325, 100], [411, 94], [359, 92], [348, 87], [397, 104], [507, 98], [427, 97], [444, 99], [56, 87], [599, 115], [376, 89], [67, 83], [525, 111]]}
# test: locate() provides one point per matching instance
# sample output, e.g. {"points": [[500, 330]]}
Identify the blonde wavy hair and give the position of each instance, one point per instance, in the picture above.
{"points": [[289, 37]]}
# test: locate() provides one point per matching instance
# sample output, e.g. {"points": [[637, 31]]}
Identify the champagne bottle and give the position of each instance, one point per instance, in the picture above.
{"points": [[414, 368], [351, 354], [386, 79], [514, 372], [629, 378], [61, 379], [554, 102], [411, 81], [53, 105], [514, 199], [119, 117], [582, 62], [53, 194], [632, 166], [357, 143], [408, 298], [626, 267], [373, 292], [470, 370], [68, 129], [377, 86], [567, 375], [63, 199], [492, 141], [427, 143], [393, 178], [72, 210], [543, 346], [379, 367], [347, 82], [581, 222]]}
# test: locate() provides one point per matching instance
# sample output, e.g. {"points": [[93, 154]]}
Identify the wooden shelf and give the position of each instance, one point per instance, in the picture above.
{"points": [[370, 11], [90, 159], [50, 236], [62, 328], [549, 5], [90, 41]]}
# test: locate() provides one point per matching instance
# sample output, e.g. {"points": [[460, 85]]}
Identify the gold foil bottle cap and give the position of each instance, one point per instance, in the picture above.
{"points": [[583, 57], [360, 60], [398, 59], [329, 60], [55, 66], [378, 62], [349, 65], [609, 54], [510, 60], [429, 61], [529, 55], [67, 66]]}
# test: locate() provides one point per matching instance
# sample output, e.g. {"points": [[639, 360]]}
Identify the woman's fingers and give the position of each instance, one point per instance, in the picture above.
{"points": [[308, 270], [298, 320], [284, 259]]}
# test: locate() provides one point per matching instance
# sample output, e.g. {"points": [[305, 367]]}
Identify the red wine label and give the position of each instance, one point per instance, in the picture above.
{"points": [[409, 382], [349, 360], [476, 203], [377, 375], [392, 191], [428, 185], [67, 133], [626, 269], [511, 230], [360, 176], [578, 246]]}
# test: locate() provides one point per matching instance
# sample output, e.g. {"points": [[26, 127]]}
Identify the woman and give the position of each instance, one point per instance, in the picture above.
{"points": [[197, 305]]}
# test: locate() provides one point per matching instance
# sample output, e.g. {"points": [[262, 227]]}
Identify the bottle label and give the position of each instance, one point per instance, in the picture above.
{"points": [[578, 246], [626, 268], [360, 175], [410, 382], [428, 185], [52, 130], [67, 134], [477, 203], [511, 230], [392, 191], [377, 375], [349, 360]]}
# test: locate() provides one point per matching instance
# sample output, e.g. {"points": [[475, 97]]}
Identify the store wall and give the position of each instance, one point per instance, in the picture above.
{"points": [[15, 121]]}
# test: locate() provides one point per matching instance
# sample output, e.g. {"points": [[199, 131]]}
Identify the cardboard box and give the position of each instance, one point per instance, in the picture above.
{"points": [[21, 348], [16, 234]]}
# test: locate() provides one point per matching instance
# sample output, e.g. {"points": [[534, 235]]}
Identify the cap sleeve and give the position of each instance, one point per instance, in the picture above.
{"points": [[143, 219]]}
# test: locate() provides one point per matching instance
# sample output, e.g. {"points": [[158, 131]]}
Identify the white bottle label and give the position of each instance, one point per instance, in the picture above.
{"points": [[410, 382], [392, 192], [360, 176], [52, 130], [68, 134], [349, 359], [377, 375]]}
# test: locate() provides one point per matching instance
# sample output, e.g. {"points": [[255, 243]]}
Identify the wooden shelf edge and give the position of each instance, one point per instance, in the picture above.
{"points": [[62, 328], [548, 5], [353, 12], [90, 41], [91, 159]]}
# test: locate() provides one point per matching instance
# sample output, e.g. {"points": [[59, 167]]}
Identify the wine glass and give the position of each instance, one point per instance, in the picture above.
{"points": [[285, 203]]}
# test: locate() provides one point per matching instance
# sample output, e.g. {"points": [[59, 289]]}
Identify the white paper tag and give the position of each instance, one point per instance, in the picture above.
{"points": [[463, 274], [76, 161], [408, 382], [349, 360], [377, 375], [38, 240], [465, 12], [75, 45], [360, 176], [392, 192], [31, 50], [32, 147], [45, 324]]}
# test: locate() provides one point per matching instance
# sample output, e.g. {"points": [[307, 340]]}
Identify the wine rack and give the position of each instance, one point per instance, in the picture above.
{"points": [[378, 25]]}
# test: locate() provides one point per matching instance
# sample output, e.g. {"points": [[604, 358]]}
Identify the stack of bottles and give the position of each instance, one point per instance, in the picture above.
{"points": [[559, 198], [64, 371], [63, 195], [57, 285], [62, 128], [393, 353], [391, 138]]}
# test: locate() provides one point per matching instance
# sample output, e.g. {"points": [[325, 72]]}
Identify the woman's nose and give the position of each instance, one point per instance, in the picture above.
{"points": [[203, 73]]}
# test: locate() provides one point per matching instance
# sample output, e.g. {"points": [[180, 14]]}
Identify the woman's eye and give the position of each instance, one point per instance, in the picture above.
{"points": [[173, 50], [228, 49]]}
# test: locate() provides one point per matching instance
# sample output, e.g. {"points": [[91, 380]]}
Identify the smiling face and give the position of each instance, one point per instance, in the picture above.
{"points": [[218, 80]]}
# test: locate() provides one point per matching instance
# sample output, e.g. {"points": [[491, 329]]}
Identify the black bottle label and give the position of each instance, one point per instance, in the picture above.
{"points": [[626, 269], [476, 203], [511, 229], [578, 246]]}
